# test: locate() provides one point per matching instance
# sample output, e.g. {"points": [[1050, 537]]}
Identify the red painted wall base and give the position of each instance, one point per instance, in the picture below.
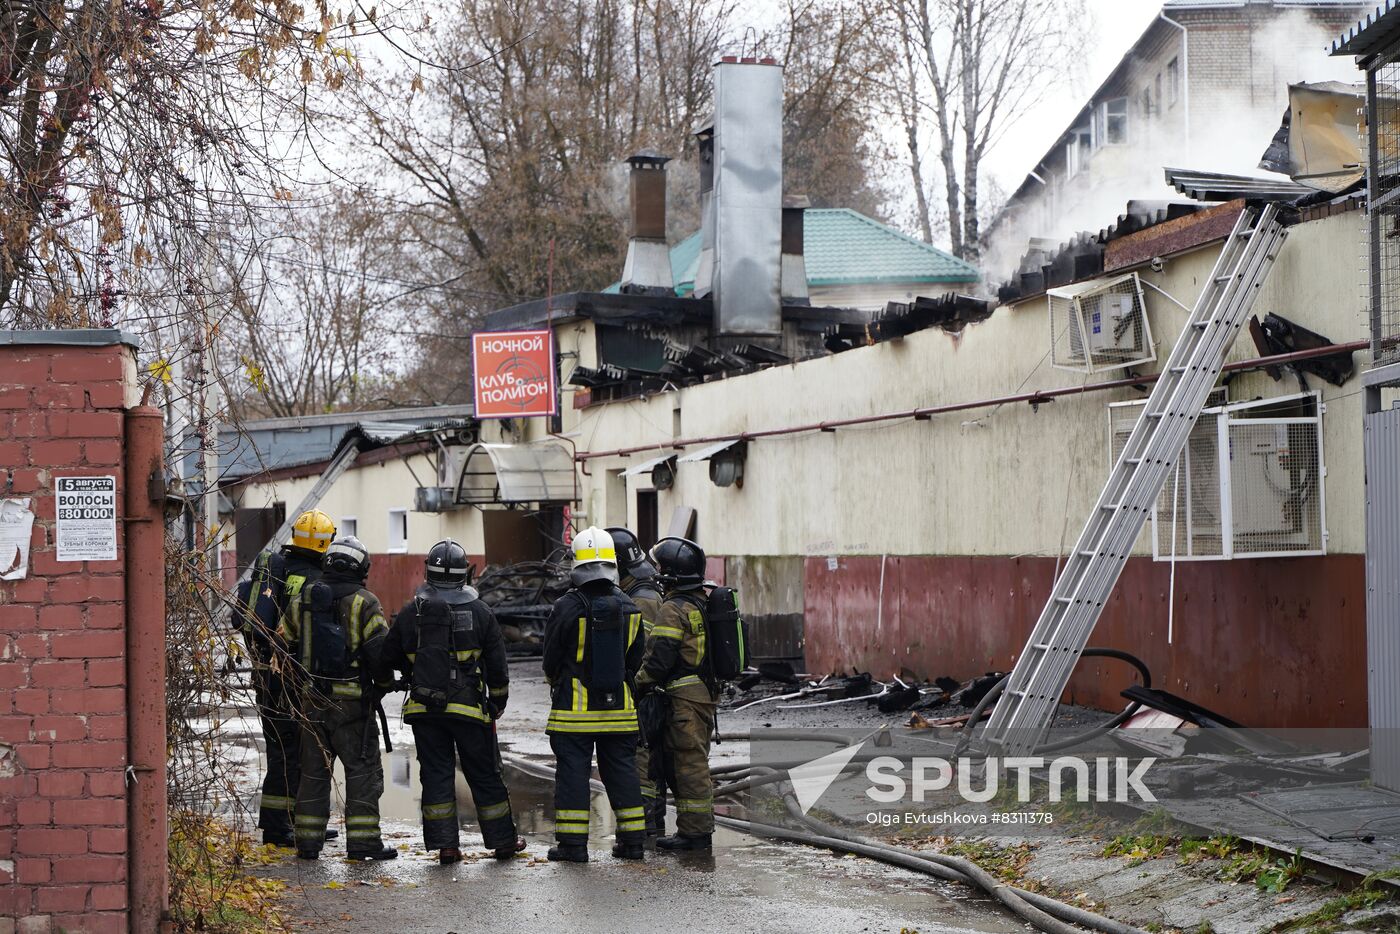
{"points": [[1268, 642]]}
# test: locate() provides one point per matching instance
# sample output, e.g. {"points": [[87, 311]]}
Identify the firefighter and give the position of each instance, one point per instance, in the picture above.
{"points": [[593, 643], [676, 663], [448, 645], [276, 579], [638, 580], [337, 630]]}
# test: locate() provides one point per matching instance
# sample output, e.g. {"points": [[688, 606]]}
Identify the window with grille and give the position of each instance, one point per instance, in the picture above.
{"points": [[1100, 325], [1384, 115], [1189, 505], [1250, 483]]}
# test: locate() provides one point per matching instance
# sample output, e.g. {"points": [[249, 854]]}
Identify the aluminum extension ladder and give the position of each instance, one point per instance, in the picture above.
{"points": [[341, 462], [1024, 711]]}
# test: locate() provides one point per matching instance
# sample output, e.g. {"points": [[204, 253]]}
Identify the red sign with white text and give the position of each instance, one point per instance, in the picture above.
{"points": [[513, 373]]}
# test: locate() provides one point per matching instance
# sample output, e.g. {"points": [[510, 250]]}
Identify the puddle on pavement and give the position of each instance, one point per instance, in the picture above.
{"points": [[782, 878]]}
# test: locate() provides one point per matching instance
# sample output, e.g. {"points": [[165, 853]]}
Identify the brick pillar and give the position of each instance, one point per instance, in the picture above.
{"points": [[63, 729]]}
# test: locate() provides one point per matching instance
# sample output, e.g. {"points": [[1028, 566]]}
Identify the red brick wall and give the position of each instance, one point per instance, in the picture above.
{"points": [[63, 750]]}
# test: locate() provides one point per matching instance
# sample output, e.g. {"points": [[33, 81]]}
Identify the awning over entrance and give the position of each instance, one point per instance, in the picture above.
{"points": [[707, 452], [503, 474], [645, 467]]}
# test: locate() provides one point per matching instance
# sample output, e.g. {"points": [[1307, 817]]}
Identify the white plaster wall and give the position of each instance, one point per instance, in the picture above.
{"points": [[992, 481]]}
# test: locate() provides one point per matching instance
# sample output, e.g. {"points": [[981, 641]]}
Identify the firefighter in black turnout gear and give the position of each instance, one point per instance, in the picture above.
{"points": [[637, 577], [448, 645], [337, 630], [276, 579], [593, 643], [677, 662]]}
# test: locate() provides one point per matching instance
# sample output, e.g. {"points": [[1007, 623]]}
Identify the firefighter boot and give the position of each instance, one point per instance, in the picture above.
{"points": [[685, 841], [568, 853], [628, 851], [508, 852], [384, 852], [449, 855]]}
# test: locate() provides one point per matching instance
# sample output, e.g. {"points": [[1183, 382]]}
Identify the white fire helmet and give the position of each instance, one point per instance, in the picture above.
{"points": [[595, 557]]}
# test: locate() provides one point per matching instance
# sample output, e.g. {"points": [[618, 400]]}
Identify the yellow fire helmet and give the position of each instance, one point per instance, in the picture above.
{"points": [[313, 531]]}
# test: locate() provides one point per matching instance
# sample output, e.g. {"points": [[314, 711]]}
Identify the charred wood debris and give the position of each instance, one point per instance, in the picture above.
{"points": [[778, 683]]}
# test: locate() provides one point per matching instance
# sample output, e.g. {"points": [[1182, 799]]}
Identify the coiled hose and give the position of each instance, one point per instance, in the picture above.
{"points": [[1102, 728]]}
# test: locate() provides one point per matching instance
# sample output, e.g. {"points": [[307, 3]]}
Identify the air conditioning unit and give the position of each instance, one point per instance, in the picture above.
{"points": [[1100, 325], [1271, 483], [1111, 324], [435, 499]]}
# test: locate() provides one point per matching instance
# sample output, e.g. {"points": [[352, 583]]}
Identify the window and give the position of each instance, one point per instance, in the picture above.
{"points": [[1111, 122], [1249, 483], [1147, 102], [1077, 151], [1173, 82], [348, 526], [398, 531], [1159, 92]]}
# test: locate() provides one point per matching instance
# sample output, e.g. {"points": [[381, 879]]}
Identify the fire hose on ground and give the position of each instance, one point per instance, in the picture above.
{"points": [[1046, 913]]}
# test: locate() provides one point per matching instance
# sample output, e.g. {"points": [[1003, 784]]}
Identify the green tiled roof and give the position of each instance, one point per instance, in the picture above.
{"points": [[844, 247]]}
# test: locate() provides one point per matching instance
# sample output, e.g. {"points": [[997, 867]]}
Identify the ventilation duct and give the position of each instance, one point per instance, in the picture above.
{"points": [[747, 201]]}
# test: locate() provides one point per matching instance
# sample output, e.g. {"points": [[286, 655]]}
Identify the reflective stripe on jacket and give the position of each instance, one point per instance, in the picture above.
{"points": [[359, 612], [483, 663], [676, 648], [567, 663]]}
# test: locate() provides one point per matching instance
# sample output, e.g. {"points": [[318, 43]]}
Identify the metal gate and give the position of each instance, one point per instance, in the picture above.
{"points": [[1382, 432]]}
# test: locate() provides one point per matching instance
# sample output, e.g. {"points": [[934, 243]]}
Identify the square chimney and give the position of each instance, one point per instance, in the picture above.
{"points": [[647, 270]]}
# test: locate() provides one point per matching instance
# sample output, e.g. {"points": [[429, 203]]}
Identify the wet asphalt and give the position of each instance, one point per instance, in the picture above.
{"points": [[747, 884]]}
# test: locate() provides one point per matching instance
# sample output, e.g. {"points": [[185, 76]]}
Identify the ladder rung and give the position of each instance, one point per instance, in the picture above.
{"points": [[1042, 646], [1064, 600], [1087, 553], [1200, 325], [1179, 369], [1227, 277]]}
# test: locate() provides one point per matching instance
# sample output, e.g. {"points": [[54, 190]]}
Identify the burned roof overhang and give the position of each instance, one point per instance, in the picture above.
{"points": [[656, 311], [951, 312], [1145, 230], [1172, 236], [606, 307]]}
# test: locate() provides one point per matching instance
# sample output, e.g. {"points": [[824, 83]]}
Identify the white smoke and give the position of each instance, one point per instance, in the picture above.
{"points": [[1229, 133]]}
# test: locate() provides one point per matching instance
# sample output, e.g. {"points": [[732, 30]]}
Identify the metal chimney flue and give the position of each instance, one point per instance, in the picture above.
{"points": [[747, 201], [794, 273], [705, 151], [647, 270]]}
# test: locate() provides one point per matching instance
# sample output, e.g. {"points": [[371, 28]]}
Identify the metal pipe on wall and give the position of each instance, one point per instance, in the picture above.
{"points": [[923, 414], [147, 823]]}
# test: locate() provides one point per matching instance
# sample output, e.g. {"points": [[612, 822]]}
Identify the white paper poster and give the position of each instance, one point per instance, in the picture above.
{"points": [[86, 509], [16, 522]]}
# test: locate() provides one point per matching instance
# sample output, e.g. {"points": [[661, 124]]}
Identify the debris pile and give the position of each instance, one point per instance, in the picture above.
{"points": [[522, 595], [779, 683]]}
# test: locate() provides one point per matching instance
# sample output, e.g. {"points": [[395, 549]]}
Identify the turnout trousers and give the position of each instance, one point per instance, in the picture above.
{"points": [[282, 737], [688, 746], [442, 742], [336, 729], [617, 766]]}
